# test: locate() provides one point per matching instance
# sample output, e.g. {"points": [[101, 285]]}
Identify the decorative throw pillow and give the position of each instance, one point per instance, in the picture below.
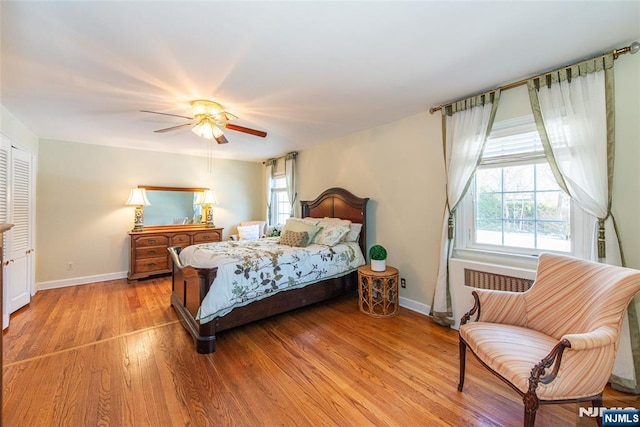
{"points": [[331, 235], [294, 238], [294, 224], [249, 232]]}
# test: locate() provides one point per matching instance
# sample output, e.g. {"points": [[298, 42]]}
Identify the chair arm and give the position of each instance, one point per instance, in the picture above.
{"points": [[498, 307], [600, 337], [539, 372]]}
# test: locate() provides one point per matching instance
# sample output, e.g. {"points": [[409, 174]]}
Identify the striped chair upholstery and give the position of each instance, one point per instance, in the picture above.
{"points": [[558, 340]]}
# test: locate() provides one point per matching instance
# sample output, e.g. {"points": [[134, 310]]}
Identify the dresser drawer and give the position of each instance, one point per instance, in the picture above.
{"points": [[180, 240], [151, 252], [152, 264], [206, 236], [152, 241]]}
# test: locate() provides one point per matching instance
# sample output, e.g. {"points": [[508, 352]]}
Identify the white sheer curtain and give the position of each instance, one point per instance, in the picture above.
{"points": [[466, 126], [290, 176], [268, 176], [573, 113]]}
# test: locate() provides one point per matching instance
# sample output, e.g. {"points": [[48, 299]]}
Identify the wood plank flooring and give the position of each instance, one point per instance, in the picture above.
{"points": [[114, 354]]}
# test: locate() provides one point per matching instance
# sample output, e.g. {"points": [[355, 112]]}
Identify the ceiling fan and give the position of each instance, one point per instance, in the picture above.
{"points": [[208, 118]]}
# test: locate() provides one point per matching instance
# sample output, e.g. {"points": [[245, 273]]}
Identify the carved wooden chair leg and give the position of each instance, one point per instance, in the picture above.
{"points": [[597, 403], [463, 354], [531, 404]]}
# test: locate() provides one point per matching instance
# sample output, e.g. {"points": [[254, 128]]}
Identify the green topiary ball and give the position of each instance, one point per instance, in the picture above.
{"points": [[378, 253]]}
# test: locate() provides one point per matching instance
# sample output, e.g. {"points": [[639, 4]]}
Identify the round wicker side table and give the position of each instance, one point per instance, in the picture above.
{"points": [[378, 291]]}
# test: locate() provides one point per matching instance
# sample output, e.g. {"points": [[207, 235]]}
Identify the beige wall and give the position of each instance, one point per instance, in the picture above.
{"points": [[82, 188], [626, 187], [399, 167]]}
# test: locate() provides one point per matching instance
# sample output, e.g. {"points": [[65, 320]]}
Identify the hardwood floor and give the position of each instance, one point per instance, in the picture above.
{"points": [[114, 354]]}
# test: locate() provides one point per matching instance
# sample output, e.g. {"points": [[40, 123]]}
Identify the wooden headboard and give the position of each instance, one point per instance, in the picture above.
{"points": [[339, 203]]}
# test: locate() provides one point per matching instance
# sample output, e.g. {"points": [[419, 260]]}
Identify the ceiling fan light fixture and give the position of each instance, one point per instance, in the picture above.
{"points": [[207, 129], [208, 119], [204, 107]]}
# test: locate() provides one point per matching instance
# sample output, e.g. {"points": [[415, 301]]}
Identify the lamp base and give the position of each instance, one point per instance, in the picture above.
{"points": [[138, 219]]}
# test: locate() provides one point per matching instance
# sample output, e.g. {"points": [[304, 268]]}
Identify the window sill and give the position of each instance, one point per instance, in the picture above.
{"points": [[529, 262]]}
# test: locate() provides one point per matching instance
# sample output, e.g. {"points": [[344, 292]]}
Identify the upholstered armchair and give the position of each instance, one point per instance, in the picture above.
{"points": [[557, 341]]}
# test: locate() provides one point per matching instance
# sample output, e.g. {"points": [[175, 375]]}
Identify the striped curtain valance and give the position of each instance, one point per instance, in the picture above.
{"points": [[471, 102], [583, 68]]}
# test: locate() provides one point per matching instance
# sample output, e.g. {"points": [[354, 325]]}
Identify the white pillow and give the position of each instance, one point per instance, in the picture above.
{"points": [[354, 233], [331, 234], [261, 224], [307, 220], [249, 232], [354, 228]]}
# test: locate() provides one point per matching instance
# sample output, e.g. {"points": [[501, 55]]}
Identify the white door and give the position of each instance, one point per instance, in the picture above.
{"points": [[19, 246], [5, 152]]}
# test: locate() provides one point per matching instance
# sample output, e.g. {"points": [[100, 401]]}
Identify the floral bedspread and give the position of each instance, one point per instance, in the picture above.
{"points": [[250, 270]]}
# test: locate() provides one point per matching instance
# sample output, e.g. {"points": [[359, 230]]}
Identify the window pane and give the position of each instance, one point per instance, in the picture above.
{"points": [[489, 206], [519, 178], [489, 232], [520, 234], [489, 180], [280, 206], [544, 178], [519, 205], [554, 235], [552, 205], [506, 214]]}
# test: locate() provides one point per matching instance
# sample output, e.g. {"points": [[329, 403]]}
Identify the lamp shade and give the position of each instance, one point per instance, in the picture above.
{"points": [[207, 129], [137, 197], [209, 198]]}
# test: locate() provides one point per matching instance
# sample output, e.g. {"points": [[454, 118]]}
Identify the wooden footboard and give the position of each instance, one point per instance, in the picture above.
{"points": [[189, 286]]}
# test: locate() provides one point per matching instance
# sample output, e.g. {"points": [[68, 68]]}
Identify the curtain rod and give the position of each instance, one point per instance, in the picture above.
{"points": [[632, 48], [294, 154]]}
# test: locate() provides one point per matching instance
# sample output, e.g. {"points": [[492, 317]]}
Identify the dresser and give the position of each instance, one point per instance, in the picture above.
{"points": [[149, 255]]}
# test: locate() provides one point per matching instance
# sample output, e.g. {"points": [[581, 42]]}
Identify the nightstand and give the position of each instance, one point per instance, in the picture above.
{"points": [[378, 291]]}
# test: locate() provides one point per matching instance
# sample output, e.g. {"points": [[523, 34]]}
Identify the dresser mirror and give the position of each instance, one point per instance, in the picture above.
{"points": [[172, 206]]}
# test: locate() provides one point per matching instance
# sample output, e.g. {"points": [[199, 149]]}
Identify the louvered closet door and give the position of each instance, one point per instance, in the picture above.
{"points": [[19, 245], [5, 150]]}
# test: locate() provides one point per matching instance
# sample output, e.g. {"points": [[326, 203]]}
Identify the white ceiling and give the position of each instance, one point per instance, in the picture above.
{"points": [[304, 71]]}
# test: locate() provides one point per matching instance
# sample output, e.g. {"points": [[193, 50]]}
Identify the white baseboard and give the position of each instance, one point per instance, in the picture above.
{"points": [[74, 281], [414, 306]]}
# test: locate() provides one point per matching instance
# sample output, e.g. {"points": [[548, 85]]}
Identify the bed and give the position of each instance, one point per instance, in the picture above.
{"points": [[192, 284]]}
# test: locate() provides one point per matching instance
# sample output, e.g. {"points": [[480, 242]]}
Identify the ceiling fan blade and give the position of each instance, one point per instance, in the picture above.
{"points": [[166, 114], [173, 128], [222, 139], [246, 130]]}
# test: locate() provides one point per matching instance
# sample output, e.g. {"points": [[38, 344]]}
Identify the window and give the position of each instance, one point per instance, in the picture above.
{"points": [[514, 204], [280, 206]]}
